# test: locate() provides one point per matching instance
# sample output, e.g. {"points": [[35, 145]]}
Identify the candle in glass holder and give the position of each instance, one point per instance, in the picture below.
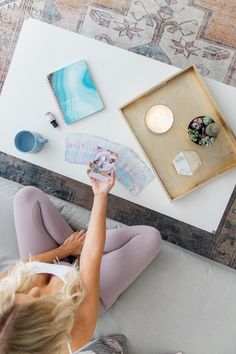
{"points": [[159, 119]]}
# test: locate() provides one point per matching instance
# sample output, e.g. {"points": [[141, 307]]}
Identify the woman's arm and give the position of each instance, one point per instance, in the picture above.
{"points": [[95, 237], [72, 246], [90, 261], [48, 257]]}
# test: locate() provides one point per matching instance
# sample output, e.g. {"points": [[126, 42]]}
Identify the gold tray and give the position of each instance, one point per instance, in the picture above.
{"points": [[186, 94]]}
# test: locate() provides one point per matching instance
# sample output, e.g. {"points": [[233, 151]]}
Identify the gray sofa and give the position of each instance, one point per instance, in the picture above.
{"points": [[182, 301]]}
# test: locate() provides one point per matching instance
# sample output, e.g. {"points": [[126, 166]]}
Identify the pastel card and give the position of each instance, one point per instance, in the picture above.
{"points": [[131, 171], [103, 164]]}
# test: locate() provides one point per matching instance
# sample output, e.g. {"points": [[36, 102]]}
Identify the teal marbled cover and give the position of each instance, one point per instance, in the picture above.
{"points": [[75, 91]]}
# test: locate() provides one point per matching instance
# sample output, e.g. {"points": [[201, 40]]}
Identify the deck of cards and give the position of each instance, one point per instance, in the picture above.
{"points": [[131, 171], [103, 164]]}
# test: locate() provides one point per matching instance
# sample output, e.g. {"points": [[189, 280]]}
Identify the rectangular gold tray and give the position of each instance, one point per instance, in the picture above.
{"points": [[186, 94]]}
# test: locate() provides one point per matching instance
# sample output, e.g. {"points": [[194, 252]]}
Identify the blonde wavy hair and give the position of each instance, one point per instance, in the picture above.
{"points": [[43, 325]]}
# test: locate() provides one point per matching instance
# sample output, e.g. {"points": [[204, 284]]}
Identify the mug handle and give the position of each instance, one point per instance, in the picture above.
{"points": [[42, 140]]}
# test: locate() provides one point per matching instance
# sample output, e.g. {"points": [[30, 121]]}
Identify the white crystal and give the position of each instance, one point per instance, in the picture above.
{"points": [[186, 163]]}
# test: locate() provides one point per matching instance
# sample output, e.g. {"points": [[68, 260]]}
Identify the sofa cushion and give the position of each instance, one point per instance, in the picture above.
{"points": [[8, 248], [182, 301]]}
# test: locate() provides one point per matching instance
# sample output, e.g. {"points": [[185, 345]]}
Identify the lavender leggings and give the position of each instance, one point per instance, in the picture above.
{"points": [[128, 250]]}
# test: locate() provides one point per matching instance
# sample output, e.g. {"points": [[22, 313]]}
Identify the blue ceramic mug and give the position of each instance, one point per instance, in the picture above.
{"points": [[27, 141]]}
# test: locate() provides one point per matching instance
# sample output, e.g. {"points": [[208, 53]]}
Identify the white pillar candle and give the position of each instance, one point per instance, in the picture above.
{"points": [[159, 119]]}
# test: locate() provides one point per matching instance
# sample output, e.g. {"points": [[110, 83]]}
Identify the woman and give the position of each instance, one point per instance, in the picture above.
{"points": [[53, 308]]}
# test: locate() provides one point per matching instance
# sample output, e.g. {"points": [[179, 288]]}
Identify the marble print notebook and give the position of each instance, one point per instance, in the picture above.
{"points": [[75, 92]]}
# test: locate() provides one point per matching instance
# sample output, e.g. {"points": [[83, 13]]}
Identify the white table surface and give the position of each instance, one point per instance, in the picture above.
{"points": [[120, 76]]}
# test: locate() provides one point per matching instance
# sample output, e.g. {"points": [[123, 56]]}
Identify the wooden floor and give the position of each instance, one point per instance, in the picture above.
{"points": [[220, 246]]}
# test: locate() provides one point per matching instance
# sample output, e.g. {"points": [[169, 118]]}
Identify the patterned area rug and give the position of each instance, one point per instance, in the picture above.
{"points": [[183, 32]]}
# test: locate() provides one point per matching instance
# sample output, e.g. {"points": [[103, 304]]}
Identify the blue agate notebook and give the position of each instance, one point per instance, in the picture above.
{"points": [[75, 92]]}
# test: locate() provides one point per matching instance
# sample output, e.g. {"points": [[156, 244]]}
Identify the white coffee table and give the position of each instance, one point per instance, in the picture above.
{"points": [[119, 75]]}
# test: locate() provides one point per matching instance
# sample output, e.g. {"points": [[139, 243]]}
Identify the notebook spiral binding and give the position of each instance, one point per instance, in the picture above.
{"points": [[61, 115]]}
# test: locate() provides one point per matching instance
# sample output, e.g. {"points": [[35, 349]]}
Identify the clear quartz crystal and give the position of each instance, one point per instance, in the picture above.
{"points": [[186, 163]]}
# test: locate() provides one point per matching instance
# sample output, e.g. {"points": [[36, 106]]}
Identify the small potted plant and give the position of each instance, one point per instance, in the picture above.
{"points": [[203, 131]]}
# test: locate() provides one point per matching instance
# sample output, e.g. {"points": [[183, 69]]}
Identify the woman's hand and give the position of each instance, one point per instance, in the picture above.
{"points": [[73, 245], [99, 187]]}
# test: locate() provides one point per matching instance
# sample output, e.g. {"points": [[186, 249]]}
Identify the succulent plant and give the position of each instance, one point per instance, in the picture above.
{"points": [[203, 131], [206, 141], [193, 134], [197, 123], [212, 129], [192, 137], [207, 120]]}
